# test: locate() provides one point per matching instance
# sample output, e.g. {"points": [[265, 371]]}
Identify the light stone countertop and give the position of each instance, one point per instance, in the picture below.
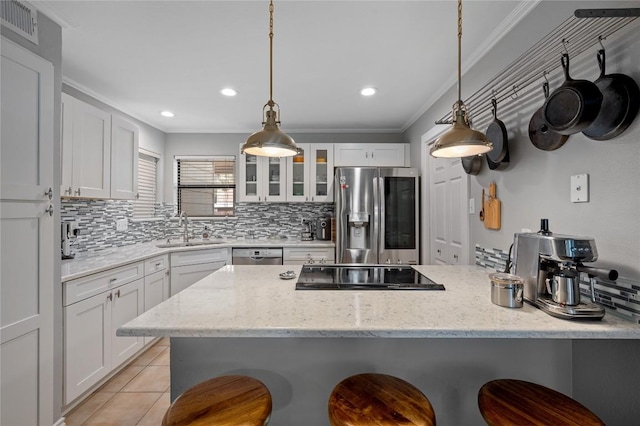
{"points": [[251, 301], [89, 263]]}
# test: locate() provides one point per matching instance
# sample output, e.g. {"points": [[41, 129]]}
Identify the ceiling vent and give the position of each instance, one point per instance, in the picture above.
{"points": [[21, 17]]}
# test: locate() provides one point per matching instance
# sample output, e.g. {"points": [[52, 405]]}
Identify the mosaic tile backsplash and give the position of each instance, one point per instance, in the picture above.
{"points": [[97, 222], [621, 297]]}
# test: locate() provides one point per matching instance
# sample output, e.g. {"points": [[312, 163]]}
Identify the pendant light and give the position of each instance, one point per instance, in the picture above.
{"points": [[460, 140], [270, 141]]}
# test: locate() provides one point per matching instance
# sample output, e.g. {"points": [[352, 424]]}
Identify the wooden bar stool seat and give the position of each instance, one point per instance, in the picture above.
{"points": [[378, 399], [516, 402], [222, 401]]}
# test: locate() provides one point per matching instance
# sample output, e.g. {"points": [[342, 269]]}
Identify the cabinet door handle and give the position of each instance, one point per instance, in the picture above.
{"points": [[118, 293], [158, 264], [455, 256], [49, 210], [77, 192], [68, 191], [137, 195], [366, 155], [110, 297], [49, 193]]}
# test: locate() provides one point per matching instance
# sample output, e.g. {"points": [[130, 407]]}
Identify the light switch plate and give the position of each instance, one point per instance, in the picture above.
{"points": [[122, 225], [472, 206], [580, 188]]}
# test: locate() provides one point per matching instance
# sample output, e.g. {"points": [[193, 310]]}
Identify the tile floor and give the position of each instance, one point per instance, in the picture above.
{"points": [[137, 396]]}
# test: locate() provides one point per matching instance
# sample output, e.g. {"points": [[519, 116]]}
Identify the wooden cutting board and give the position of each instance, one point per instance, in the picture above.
{"points": [[492, 207]]}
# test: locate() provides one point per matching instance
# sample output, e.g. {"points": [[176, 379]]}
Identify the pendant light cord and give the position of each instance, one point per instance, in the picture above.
{"points": [[271, 103], [459, 51]]}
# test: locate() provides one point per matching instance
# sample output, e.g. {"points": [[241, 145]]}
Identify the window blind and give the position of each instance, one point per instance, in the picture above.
{"points": [[206, 187], [144, 206]]}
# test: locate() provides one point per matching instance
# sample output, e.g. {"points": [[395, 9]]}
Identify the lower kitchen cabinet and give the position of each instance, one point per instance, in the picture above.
{"points": [[156, 284], [188, 267], [303, 256], [92, 348]]}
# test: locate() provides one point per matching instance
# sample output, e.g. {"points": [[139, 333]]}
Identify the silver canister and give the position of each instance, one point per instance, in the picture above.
{"points": [[506, 290]]}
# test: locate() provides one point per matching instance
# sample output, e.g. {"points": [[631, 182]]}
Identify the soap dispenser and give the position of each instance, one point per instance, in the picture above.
{"points": [[206, 232]]}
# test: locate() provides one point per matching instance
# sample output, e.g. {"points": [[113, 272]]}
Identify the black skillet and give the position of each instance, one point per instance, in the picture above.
{"points": [[540, 135], [498, 157], [572, 107], [620, 104], [472, 165]]}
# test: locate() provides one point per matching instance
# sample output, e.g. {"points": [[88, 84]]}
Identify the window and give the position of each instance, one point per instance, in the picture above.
{"points": [[144, 206], [206, 186]]}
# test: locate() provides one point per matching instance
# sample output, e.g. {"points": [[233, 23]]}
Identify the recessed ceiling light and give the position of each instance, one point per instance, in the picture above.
{"points": [[167, 114], [227, 91], [368, 91]]}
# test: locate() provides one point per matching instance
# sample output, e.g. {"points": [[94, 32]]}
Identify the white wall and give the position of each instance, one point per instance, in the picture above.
{"points": [[536, 184]]}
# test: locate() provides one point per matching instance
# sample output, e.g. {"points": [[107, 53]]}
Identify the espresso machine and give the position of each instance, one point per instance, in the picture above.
{"points": [[551, 264]]}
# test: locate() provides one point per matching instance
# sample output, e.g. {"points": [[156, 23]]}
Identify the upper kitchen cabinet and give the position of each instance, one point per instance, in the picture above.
{"points": [[86, 150], [124, 159], [375, 155], [99, 153], [310, 174], [261, 178]]}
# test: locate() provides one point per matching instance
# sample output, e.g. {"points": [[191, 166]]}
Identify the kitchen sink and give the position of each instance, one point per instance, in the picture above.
{"points": [[189, 244]]}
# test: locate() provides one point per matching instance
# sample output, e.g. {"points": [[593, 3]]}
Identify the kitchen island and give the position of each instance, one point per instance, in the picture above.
{"points": [[244, 319]]}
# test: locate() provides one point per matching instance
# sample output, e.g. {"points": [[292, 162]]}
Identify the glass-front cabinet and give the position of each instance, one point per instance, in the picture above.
{"points": [[261, 178], [310, 174]]}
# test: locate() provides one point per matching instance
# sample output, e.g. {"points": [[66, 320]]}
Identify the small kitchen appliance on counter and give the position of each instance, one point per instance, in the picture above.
{"points": [[68, 233], [506, 290], [550, 265], [323, 229]]}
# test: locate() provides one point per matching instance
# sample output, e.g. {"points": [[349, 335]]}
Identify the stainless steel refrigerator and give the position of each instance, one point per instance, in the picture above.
{"points": [[377, 215]]}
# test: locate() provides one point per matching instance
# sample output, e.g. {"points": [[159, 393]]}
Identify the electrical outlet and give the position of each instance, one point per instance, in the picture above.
{"points": [[122, 225]]}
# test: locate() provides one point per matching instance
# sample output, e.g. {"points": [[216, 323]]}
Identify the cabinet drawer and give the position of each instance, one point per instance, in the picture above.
{"points": [[155, 264], [303, 254], [85, 287], [194, 257]]}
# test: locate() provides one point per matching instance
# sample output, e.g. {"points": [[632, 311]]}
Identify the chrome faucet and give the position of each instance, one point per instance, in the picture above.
{"points": [[185, 235]]}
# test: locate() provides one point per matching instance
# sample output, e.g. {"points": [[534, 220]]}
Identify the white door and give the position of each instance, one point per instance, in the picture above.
{"points": [[27, 246], [449, 220], [124, 159], [128, 303], [445, 196], [87, 345]]}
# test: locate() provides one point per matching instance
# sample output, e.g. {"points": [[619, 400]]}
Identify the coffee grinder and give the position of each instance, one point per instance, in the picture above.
{"points": [[551, 264]]}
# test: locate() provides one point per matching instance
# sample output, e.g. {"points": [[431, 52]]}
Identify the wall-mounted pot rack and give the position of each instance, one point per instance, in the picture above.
{"points": [[580, 32]]}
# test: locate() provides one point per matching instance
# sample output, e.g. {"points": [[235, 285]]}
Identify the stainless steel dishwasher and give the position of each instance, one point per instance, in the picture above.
{"points": [[257, 256]]}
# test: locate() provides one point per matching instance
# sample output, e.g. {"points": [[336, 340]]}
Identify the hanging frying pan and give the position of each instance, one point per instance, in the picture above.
{"points": [[572, 107], [540, 134], [472, 165], [620, 104], [497, 134]]}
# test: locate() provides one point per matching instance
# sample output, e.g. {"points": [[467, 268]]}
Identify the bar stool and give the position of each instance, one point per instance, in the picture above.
{"points": [[516, 402], [222, 401], [378, 399]]}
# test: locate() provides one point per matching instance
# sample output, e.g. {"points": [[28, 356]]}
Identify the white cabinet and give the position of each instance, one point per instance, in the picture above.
{"points": [[99, 153], [261, 178], [308, 255], [156, 284], [188, 267], [124, 159], [27, 245], [86, 143], [310, 174], [94, 307], [373, 154]]}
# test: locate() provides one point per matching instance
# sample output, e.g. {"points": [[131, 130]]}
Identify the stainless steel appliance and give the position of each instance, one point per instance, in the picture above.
{"points": [[323, 229], [68, 234], [364, 277], [550, 265], [377, 213], [256, 256]]}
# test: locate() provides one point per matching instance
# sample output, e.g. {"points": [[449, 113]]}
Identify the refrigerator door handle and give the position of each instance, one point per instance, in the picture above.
{"points": [[376, 219], [382, 210]]}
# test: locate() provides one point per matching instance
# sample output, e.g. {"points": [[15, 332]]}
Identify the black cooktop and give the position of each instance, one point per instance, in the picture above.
{"points": [[363, 277]]}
